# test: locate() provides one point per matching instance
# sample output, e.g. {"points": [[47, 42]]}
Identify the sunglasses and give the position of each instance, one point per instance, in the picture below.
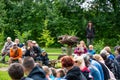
{"points": [[76, 61]]}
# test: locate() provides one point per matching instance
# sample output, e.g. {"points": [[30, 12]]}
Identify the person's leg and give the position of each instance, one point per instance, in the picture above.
{"points": [[88, 41], [20, 60], [10, 60], [91, 41]]}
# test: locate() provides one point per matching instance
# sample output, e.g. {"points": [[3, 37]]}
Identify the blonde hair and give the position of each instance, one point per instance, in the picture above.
{"points": [[107, 48], [98, 58], [84, 45], [80, 61]]}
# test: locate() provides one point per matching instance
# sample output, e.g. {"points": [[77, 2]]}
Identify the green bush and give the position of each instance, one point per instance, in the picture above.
{"points": [[98, 46]]}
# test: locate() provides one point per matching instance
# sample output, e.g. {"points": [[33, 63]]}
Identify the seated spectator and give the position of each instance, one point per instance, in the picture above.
{"points": [[16, 72], [53, 73], [111, 64], [15, 54], [91, 50], [79, 61], [17, 41], [73, 72], [33, 71], [44, 58], [118, 55], [110, 56], [97, 57], [105, 68], [47, 72], [97, 65], [94, 71], [80, 49], [32, 51], [6, 48], [60, 74]]}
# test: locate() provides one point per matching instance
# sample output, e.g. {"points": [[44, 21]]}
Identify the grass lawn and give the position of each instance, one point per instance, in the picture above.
{"points": [[4, 74]]}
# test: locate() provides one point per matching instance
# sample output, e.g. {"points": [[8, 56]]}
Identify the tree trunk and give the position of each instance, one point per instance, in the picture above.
{"points": [[69, 50]]}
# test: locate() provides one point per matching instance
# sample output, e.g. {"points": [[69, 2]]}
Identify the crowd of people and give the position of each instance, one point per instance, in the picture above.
{"points": [[86, 64]]}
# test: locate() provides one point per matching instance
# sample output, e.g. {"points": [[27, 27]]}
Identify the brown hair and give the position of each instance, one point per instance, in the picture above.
{"points": [[67, 61], [16, 71]]}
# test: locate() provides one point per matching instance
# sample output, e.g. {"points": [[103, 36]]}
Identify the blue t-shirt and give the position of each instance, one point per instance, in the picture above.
{"points": [[92, 52]]}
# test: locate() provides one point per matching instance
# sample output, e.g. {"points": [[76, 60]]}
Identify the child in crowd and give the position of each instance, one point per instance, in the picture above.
{"points": [[91, 50], [60, 74]]}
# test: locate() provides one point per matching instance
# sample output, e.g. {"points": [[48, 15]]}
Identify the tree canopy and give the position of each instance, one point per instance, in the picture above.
{"points": [[63, 17]]}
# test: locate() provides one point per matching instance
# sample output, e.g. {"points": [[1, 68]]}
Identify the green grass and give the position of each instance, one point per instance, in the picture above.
{"points": [[4, 75], [53, 50]]}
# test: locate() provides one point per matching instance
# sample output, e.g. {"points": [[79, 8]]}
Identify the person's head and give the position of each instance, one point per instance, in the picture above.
{"points": [[44, 53], [16, 71], [86, 58], [15, 46], [90, 24], [60, 73], [67, 62], [28, 64], [79, 61], [46, 69], [29, 42], [8, 39], [104, 54], [118, 50], [17, 41], [107, 48], [82, 43], [90, 47], [98, 57], [53, 71], [34, 43]]}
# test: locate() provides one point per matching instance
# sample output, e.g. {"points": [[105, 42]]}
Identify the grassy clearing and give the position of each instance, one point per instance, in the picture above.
{"points": [[4, 75]]}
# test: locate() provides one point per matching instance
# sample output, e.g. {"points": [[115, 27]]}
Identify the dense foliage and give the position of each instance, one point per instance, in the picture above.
{"points": [[62, 16]]}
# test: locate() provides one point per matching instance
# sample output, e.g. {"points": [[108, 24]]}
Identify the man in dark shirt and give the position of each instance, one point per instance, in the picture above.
{"points": [[32, 51]]}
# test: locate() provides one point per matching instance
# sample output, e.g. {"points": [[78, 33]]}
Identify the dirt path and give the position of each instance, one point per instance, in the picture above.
{"points": [[3, 68]]}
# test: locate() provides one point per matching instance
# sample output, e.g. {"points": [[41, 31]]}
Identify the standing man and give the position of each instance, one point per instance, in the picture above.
{"points": [[90, 33]]}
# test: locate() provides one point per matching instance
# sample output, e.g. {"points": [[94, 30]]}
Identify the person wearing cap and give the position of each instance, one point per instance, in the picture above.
{"points": [[15, 54], [90, 33], [44, 58], [6, 49]]}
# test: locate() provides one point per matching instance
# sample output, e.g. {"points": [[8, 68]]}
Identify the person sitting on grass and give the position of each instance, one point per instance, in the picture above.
{"points": [[32, 51], [16, 72], [15, 54], [6, 49], [33, 71]]}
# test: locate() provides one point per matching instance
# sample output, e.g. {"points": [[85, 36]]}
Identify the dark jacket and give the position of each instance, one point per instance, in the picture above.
{"points": [[105, 71], [74, 74], [33, 50], [44, 59], [113, 65], [37, 74], [90, 33], [118, 59]]}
